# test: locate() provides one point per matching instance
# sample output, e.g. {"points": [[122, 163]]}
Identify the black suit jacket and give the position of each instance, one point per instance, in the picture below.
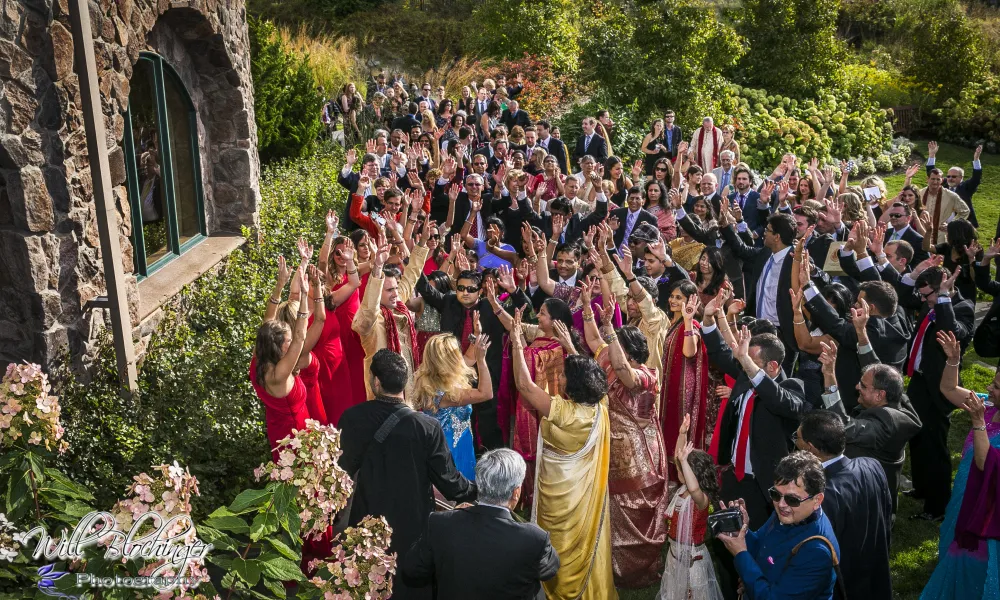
{"points": [[558, 149], [957, 316], [779, 405], [576, 227], [914, 239], [859, 506], [457, 543], [462, 207], [521, 118], [622, 213], [712, 236], [598, 148], [757, 259], [406, 123]]}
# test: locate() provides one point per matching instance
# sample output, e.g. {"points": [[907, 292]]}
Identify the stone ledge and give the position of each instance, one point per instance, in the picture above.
{"points": [[167, 282]]}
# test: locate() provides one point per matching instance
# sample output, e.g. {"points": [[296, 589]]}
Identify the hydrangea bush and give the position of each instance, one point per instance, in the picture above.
{"points": [[361, 567], [307, 459], [28, 412]]}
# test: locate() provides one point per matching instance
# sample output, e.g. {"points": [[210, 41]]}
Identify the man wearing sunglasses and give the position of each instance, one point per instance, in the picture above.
{"points": [[458, 313], [955, 179], [857, 501], [899, 229], [779, 559]]}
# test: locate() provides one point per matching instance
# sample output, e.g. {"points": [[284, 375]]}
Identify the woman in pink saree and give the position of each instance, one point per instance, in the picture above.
{"points": [[685, 372]]}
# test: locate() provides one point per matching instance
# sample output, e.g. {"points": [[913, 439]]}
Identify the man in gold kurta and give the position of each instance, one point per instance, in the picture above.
{"points": [[943, 205], [391, 293]]}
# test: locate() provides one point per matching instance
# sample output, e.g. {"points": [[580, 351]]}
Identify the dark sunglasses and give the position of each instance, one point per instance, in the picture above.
{"points": [[472, 289], [663, 169], [473, 185], [790, 500], [896, 215]]}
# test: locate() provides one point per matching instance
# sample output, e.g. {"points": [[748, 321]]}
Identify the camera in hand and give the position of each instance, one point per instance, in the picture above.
{"points": [[725, 521]]}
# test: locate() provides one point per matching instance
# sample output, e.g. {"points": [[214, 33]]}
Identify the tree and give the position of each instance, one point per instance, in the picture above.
{"points": [[792, 45], [659, 54], [507, 29], [286, 104]]}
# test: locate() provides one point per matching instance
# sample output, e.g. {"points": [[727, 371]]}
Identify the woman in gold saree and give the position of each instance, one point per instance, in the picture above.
{"points": [[571, 475]]}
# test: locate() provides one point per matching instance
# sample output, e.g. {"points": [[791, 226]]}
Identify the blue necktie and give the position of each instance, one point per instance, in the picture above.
{"points": [[763, 285], [670, 143], [725, 180]]}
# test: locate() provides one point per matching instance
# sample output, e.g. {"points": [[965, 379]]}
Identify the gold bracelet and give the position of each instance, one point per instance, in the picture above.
{"points": [[802, 322], [953, 365]]}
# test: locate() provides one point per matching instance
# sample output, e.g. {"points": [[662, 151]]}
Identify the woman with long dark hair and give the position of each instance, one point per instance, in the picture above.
{"points": [[614, 171], [655, 194], [710, 273], [654, 146], [685, 370]]}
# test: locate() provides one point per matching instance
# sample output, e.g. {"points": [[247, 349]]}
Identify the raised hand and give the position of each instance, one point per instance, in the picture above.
{"points": [[453, 192], [482, 347], [584, 287], [992, 251], [797, 296], [347, 252], [305, 251], [878, 239], [558, 224], [925, 220], [331, 223], [522, 269], [973, 250], [736, 306], [506, 278], [977, 153], [490, 290], [477, 327], [976, 409], [828, 358], [614, 223], [948, 283], [462, 262], [625, 262], [805, 269], [588, 236], [351, 157], [303, 283], [932, 149], [283, 273], [860, 315], [526, 240], [563, 336], [742, 343], [690, 308], [516, 329], [912, 170], [950, 345], [370, 146]]}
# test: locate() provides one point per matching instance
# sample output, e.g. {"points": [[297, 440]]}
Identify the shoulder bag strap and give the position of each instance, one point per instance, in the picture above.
{"points": [[833, 553]]}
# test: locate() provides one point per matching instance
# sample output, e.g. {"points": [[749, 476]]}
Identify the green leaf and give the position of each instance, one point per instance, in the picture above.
{"points": [[249, 570], [219, 540], [264, 524], [249, 500], [282, 548], [58, 482], [222, 511], [18, 495], [37, 467], [278, 567], [276, 587], [226, 562], [233, 524]]}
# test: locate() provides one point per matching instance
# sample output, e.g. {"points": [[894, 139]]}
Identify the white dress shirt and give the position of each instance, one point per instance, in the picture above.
{"points": [[767, 290]]}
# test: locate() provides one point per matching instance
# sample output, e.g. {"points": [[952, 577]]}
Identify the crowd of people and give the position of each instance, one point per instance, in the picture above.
{"points": [[682, 371]]}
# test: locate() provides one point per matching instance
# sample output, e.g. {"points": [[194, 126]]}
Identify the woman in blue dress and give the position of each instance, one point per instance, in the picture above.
{"points": [[443, 389], [969, 556]]}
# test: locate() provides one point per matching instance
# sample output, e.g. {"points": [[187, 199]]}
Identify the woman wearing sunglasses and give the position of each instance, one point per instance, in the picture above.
{"points": [[793, 554]]}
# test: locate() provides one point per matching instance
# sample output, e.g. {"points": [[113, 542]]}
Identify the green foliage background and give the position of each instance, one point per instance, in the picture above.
{"points": [[286, 103]]}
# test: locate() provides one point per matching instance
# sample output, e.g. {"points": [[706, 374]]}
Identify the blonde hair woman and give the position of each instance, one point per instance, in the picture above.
{"points": [[442, 389]]}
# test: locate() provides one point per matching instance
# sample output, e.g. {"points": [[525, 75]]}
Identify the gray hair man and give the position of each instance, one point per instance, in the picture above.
{"points": [[458, 543]]}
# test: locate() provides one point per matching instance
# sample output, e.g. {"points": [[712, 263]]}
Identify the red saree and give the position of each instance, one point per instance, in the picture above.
{"points": [[685, 391], [518, 420]]}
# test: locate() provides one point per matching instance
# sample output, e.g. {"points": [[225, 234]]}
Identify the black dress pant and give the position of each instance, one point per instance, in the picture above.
{"points": [[930, 459], [759, 509], [486, 429]]}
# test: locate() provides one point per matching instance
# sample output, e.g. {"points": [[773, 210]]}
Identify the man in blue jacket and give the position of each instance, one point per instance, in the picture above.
{"points": [[793, 554]]}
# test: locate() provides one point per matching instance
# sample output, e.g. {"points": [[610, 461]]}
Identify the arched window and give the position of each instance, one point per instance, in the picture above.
{"points": [[163, 165]]}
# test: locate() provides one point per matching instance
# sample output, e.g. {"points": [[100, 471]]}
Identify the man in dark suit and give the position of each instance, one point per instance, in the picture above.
{"points": [[883, 422], [463, 199], [575, 226], [769, 276], [856, 500], [956, 182], [426, 96], [942, 308], [408, 121], [745, 197], [513, 116], [512, 90], [899, 229], [818, 244], [590, 143], [755, 427], [630, 216], [711, 235], [672, 134], [986, 341], [552, 145], [457, 543]]}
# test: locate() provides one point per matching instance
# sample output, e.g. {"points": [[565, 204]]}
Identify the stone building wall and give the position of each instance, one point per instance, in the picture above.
{"points": [[50, 255]]}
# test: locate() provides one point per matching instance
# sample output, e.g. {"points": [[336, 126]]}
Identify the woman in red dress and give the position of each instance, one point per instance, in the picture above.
{"points": [[339, 347], [273, 368]]}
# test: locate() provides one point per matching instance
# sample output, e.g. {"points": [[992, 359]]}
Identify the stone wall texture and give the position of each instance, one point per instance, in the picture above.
{"points": [[50, 255]]}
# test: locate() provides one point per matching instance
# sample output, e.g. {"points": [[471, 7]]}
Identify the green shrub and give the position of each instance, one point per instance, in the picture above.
{"points": [[883, 163], [195, 403], [287, 105], [887, 88], [792, 45], [866, 167], [974, 115], [509, 29], [546, 92], [629, 130]]}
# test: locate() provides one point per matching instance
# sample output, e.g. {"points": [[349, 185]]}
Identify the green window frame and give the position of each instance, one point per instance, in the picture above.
{"points": [[163, 74]]}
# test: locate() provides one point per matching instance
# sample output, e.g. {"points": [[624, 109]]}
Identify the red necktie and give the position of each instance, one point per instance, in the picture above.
{"points": [[466, 330], [474, 229], [918, 342], [743, 442]]}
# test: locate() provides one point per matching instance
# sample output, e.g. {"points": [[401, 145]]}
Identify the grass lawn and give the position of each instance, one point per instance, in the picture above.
{"points": [[913, 554]]}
